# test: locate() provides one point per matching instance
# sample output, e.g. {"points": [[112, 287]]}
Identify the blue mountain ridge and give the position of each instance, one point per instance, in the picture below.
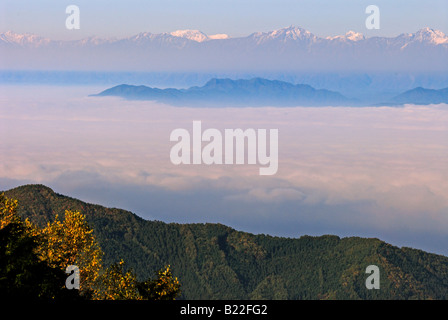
{"points": [[221, 92], [263, 92], [422, 96]]}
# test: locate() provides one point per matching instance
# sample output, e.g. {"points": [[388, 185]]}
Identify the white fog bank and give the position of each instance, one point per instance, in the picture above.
{"points": [[377, 172]]}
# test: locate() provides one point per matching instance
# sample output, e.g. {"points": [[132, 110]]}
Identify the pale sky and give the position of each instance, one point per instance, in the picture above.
{"points": [[114, 18]]}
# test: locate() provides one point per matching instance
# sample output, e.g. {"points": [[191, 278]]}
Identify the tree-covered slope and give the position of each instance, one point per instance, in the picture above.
{"points": [[213, 261]]}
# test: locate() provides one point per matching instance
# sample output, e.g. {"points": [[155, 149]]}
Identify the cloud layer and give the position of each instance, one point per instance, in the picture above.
{"points": [[377, 172]]}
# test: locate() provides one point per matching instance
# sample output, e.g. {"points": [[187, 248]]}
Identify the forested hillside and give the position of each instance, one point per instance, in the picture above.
{"points": [[213, 261]]}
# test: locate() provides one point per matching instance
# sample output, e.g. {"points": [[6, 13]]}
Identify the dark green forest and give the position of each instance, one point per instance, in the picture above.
{"points": [[214, 261]]}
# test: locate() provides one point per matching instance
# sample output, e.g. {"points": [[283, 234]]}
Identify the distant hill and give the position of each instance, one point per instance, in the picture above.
{"points": [[421, 95], [227, 92], [214, 261], [263, 92]]}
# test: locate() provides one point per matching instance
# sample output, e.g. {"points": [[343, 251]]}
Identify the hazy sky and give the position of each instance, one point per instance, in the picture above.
{"points": [[234, 17], [371, 172]]}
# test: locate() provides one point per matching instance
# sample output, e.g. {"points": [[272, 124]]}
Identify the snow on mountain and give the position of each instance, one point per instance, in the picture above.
{"points": [[288, 34], [198, 36], [194, 35], [286, 49], [425, 36], [430, 35], [25, 39], [351, 35], [148, 39], [219, 36]]}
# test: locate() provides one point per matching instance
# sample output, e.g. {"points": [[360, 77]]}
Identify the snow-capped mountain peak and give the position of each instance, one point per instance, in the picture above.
{"points": [[290, 48], [288, 34], [351, 35], [194, 35], [430, 35], [291, 33], [354, 36], [198, 36], [26, 39], [219, 36]]}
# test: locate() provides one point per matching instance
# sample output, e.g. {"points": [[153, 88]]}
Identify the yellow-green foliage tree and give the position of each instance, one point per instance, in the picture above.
{"points": [[118, 284], [115, 283], [23, 275], [164, 287], [28, 251], [8, 213], [71, 242]]}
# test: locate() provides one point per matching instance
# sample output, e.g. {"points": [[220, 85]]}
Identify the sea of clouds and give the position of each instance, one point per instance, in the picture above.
{"points": [[368, 171]]}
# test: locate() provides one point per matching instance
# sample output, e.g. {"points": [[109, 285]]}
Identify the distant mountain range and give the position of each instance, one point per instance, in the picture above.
{"points": [[227, 92], [286, 49], [213, 261], [290, 34], [262, 92], [422, 96]]}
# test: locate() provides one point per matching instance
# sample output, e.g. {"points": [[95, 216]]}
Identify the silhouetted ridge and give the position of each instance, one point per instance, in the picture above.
{"points": [[421, 96], [214, 261], [227, 92]]}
